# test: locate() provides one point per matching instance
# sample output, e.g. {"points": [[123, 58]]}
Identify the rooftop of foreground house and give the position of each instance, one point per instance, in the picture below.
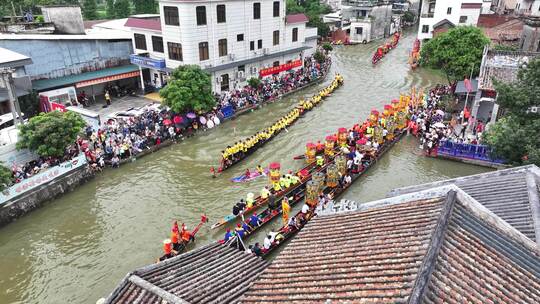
{"points": [[434, 246], [213, 273], [512, 194]]}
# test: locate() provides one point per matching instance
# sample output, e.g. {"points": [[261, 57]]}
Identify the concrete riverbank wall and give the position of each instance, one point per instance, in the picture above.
{"points": [[37, 197]]}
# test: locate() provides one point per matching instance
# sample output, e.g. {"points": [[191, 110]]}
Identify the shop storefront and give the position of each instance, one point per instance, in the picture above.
{"points": [[154, 73], [63, 91]]}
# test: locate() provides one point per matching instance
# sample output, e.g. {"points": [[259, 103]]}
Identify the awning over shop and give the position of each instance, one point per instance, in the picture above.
{"points": [[88, 78]]}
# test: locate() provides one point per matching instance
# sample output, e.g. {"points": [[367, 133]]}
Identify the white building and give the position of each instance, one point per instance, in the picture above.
{"points": [[233, 40], [455, 12]]}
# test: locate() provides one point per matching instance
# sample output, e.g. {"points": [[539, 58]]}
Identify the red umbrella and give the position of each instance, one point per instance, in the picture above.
{"points": [[167, 122], [177, 119]]}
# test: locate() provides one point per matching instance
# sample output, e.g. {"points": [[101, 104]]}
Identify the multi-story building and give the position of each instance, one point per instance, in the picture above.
{"points": [[447, 12], [529, 11], [232, 40], [366, 20]]}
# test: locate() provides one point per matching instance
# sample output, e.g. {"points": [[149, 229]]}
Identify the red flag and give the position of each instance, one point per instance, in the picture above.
{"points": [[468, 85]]}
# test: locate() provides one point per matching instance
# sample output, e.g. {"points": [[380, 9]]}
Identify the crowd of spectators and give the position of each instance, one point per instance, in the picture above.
{"points": [[274, 86], [428, 122]]}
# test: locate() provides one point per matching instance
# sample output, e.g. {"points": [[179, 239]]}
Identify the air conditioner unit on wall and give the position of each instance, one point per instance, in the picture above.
{"points": [[240, 75], [253, 70], [231, 56]]}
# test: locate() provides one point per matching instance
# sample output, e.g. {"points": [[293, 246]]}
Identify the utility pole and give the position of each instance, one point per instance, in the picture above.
{"points": [[7, 82]]}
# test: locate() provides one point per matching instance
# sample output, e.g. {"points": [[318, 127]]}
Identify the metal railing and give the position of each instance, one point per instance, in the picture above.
{"points": [[469, 151]]}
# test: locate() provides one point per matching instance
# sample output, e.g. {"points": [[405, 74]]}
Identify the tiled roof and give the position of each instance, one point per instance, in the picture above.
{"points": [[296, 18], [148, 24], [512, 194], [435, 246], [214, 273]]}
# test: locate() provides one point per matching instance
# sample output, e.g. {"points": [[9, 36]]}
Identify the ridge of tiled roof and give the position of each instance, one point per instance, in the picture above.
{"points": [[214, 273], [512, 194], [430, 246]]}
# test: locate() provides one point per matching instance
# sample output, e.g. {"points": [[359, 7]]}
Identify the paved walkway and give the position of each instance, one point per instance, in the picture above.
{"points": [[119, 104]]}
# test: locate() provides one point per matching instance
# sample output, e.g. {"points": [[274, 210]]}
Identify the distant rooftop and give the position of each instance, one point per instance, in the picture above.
{"points": [[11, 59], [91, 35], [147, 24], [434, 246], [296, 18]]}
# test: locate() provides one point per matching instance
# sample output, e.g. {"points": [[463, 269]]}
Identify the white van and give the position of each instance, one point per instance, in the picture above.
{"points": [[6, 120]]}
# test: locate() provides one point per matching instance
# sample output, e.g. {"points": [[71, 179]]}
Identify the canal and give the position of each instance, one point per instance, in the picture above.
{"points": [[77, 248]]}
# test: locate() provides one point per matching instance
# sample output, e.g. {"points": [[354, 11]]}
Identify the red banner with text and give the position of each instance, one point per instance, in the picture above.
{"points": [[281, 68]]}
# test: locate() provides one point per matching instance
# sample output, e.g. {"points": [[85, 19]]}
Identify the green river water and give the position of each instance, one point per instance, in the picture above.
{"points": [[77, 248]]}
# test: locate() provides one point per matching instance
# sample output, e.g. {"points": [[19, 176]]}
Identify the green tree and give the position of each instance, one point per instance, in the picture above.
{"points": [[109, 8], [189, 89], [49, 134], [515, 137], [30, 104], [90, 9], [455, 52], [254, 82], [313, 10], [408, 17], [327, 47], [145, 6], [122, 8], [319, 56], [6, 177]]}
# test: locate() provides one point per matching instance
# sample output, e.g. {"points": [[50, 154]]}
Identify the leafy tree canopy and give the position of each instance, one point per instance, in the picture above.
{"points": [[145, 6], [49, 134], [516, 136], [122, 8], [455, 52], [90, 9], [6, 177], [254, 82], [189, 89]]}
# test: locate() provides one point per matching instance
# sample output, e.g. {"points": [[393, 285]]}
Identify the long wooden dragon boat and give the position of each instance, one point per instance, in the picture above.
{"points": [[224, 165], [287, 232]]}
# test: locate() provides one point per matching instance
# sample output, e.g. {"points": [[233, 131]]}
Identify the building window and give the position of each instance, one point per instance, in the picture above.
{"points": [[363, 13], [201, 15], [157, 44], [241, 68], [359, 30], [462, 19], [222, 45], [203, 51], [252, 45], [449, 11], [240, 37], [275, 64], [276, 8], [256, 10], [431, 8], [175, 51], [259, 44], [140, 41], [275, 38], [425, 28], [538, 47], [295, 34], [225, 82], [170, 13], [221, 16]]}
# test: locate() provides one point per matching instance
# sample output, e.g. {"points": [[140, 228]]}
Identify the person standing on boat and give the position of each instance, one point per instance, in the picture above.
{"points": [[167, 249], [285, 208], [260, 170], [320, 161], [250, 198]]}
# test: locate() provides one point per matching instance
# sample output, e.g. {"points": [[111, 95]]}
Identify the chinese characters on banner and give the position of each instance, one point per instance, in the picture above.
{"points": [[280, 68]]}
